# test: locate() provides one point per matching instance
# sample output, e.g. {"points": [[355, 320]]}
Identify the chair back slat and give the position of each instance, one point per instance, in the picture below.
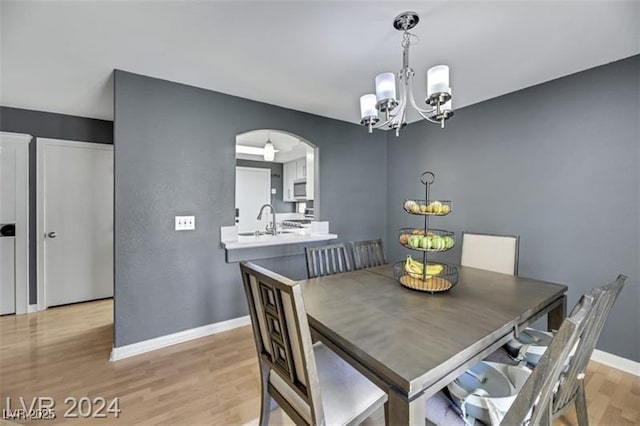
{"points": [[535, 395], [281, 333], [497, 253], [603, 300], [327, 260], [367, 254]]}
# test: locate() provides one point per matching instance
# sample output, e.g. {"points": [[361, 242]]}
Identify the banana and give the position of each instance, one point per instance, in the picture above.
{"points": [[413, 268], [416, 269], [434, 269]]}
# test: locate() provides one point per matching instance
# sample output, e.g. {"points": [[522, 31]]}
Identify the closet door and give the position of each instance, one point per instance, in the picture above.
{"points": [[14, 219], [76, 213]]}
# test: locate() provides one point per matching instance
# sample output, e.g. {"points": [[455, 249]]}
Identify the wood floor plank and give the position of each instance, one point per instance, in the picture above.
{"points": [[65, 351]]}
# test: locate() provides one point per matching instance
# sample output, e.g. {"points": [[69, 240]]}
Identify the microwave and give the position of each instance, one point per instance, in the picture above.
{"points": [[300, 189]]}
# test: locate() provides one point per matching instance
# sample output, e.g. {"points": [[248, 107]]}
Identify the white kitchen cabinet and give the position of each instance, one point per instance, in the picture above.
{"points": [[301, 168], [289, 174], [292, 171], [310, 173]]}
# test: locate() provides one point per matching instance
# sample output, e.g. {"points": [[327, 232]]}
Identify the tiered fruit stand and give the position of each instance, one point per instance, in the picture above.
{"points": [[436, 276]]}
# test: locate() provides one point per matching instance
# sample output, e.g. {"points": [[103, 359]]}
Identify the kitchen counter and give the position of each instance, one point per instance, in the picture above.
{"points": [[288, 242], [297, 236]]}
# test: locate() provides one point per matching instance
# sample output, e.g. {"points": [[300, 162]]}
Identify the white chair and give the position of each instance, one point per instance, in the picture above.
{"points": [[311, 384], [497, 253]]}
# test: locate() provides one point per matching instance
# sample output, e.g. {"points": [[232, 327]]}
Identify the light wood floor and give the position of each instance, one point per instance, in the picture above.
{"points": [[64, 352]]}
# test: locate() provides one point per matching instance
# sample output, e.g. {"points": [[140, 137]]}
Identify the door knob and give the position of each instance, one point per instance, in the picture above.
{"points": [[51, 235]]}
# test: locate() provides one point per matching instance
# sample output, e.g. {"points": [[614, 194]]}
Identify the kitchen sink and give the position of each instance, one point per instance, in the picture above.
{"points": [[261, 233], [252, 234]]}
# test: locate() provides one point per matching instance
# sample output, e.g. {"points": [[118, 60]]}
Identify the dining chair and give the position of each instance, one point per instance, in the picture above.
{"points": [[567, 387], [532, 405], [367, 254], [531, 343], [309, 382], [327, 260], [492, 252], [572, 388]]}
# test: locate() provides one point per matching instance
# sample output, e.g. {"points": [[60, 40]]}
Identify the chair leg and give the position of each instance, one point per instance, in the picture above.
{"points": [[547, 417], [266, 403], [581, 406], [386, 413]]}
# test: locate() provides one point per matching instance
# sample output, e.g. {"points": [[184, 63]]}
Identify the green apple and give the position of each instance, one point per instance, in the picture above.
{"points": [[449, 242], [438, 242], [424, 244]]}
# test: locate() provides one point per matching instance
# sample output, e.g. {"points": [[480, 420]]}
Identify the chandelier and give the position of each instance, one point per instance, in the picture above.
{"points": [[394, 108]]}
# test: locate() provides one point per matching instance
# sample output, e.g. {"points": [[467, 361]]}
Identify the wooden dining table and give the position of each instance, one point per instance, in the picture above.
{"points": [[411, 343]]}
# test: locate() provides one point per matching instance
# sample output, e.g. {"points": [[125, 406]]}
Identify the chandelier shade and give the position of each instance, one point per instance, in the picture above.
{"points": [[386, 87], [438, 80], [394, 93], [368, 106]]}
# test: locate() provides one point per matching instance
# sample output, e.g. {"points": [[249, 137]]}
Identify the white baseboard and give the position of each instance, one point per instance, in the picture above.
{"points": [[175, 338], [32, 308], [615, 361]]}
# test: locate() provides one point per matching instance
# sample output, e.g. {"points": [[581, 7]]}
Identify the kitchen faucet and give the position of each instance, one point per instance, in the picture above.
{"points": [[270, 229]]}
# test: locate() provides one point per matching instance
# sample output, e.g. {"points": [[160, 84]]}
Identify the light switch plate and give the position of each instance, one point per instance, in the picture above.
{"points": [[185, 223]]}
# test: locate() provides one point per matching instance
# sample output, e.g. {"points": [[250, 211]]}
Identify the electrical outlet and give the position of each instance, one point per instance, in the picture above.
{"points": [[274, 191], [185, 223]]}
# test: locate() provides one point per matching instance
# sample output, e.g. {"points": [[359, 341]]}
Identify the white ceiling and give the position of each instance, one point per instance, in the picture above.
{"points": [[281, 141], [288, 146], [314, 56]]}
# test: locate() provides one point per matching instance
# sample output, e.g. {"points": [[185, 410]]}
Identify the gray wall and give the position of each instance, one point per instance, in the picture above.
{"points": [[557, 164], [175, 154], [56, 126], [276, 182]]}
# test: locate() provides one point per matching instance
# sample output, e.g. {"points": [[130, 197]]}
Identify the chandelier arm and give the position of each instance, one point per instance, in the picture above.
{"points": [[400, 111], [402, 105], [402, 102], [403, 113], [417, 108], [414, 104], [426, 117], [381, 124]]}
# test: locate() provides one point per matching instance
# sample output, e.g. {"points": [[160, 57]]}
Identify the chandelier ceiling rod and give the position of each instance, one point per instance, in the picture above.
{"points": [[393, 108]]}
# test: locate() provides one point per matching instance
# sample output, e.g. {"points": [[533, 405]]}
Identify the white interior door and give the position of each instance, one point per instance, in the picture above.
{"points": [[14, 256], [7, 276], [253, 189], [7, 216], [76, 214]]}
